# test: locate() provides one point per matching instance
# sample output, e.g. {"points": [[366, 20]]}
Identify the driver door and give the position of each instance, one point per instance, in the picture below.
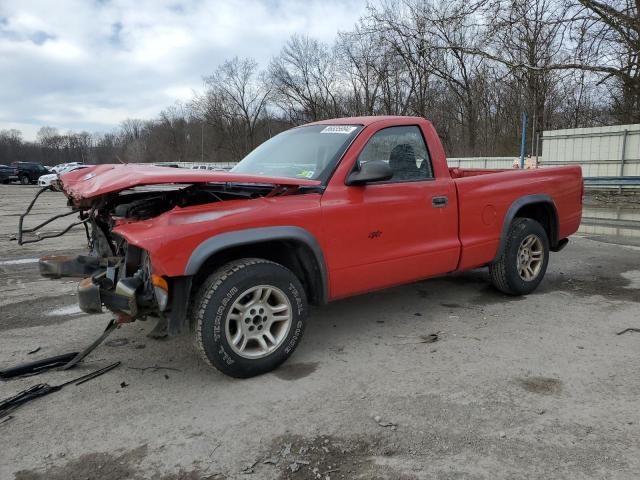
{"points": [[396, 231]]}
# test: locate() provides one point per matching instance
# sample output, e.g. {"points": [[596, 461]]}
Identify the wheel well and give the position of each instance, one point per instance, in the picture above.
{"points": [[545, 214], [294, 255]]}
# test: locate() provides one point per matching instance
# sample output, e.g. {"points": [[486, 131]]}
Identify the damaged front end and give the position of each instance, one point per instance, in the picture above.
{"points": [[123, 284], [116, 274]]}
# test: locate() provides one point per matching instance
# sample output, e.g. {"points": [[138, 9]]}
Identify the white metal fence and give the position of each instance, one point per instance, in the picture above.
{"points": [[601, 151], [608, 156], [481, 162]]}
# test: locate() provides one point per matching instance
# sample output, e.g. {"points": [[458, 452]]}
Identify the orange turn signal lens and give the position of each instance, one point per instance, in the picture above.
{"points": [[160, 282]]}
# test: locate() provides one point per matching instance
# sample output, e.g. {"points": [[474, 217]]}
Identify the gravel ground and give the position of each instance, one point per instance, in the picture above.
{"points": [[532, 387]]}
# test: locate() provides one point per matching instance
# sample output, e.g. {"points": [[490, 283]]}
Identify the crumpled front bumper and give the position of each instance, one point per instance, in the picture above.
{"points": [[100, 285], [122, 299]]}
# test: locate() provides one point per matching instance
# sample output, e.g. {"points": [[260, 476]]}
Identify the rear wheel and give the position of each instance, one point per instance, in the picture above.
{"points": [[24, 180], [523, 262], [249, 317]]}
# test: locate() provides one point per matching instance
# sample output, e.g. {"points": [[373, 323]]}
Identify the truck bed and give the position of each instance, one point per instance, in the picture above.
{"points": [[485, 197]]}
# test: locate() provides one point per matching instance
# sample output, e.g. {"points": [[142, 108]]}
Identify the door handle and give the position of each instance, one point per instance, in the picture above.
{"points": [[439, 202]]}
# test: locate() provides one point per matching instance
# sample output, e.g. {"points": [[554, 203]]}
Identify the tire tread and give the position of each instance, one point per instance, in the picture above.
{"points": [[498, 270], [209, 288]]}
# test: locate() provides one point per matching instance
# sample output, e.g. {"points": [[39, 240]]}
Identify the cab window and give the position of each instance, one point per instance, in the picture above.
{"points": [[403, 148]]}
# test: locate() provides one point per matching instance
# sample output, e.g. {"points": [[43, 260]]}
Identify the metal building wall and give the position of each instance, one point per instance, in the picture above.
{"points": [[601, 151]]}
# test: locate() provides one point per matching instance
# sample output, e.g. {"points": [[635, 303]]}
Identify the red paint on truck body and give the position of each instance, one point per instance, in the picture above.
{"points": [[411, 240]]}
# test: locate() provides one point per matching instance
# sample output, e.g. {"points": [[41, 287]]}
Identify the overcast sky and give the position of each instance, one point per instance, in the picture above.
{"points": [[87, 65]]}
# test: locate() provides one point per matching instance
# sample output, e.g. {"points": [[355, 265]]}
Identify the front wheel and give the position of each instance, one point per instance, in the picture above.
{"points": [[249, 317], [523, 262], [24, 180]]}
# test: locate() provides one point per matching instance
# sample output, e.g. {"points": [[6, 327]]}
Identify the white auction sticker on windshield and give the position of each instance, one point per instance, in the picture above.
{"points": [[346, 129]]}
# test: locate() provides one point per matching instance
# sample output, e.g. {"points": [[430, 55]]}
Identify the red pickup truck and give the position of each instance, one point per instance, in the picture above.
{"points": [[320, 212]]}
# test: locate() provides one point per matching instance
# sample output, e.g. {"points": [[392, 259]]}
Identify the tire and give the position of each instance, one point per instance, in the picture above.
{"points": [[513, 277], [232, 311], [24, 180]]}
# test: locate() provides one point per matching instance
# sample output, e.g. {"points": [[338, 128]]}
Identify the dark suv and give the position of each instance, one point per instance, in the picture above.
{"points": [[28, 172], [7, 174]]}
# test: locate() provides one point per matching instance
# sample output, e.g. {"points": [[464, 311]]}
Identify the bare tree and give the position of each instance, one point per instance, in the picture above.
{"points": [[607, 34], [471, 66], [304, 80], [420, 34], [364, 64], [235, 100]]}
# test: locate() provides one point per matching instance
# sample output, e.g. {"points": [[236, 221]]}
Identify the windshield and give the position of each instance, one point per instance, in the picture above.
{"points": [[305, 152]]}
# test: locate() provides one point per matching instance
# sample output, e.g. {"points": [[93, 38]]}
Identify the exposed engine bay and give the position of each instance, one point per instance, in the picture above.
{"points": [[118, 275], [142, 203]]}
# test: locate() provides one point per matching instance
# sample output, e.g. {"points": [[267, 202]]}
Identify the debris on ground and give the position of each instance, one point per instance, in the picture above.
{"points": [[154, 368], [10, 404], [64, 361], [249, 469], [383, 423], [318, 457], [35, 350], [38, 366], [6, 419], [124, 384], [630, 329], [214, 449], [430, 338], [297, 465]]}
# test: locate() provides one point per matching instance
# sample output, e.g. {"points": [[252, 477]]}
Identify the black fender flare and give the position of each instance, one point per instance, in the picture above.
{"points": [[522, 202], [250, 236]]}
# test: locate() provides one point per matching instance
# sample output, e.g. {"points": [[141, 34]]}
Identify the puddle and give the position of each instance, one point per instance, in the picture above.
{"points": [[96, 466], [619, 222], [607, 282], [44, 311], [111, 466], [452, 305], [634, 279], [540, 385]]}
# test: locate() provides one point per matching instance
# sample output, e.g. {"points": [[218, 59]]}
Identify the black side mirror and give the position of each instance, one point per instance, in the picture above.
{"points": [[374, 171]]}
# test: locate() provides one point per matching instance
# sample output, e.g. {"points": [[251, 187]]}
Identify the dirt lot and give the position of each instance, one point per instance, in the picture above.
{"points": [[533, 387]]}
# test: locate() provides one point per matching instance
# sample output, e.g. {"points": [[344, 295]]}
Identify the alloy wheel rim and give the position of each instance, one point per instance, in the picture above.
{"points": [[259, 321], [530, 257]]}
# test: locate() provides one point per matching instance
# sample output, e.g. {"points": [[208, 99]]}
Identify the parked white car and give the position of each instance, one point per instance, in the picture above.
{"points": [[45, 180], [64, 166]]}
